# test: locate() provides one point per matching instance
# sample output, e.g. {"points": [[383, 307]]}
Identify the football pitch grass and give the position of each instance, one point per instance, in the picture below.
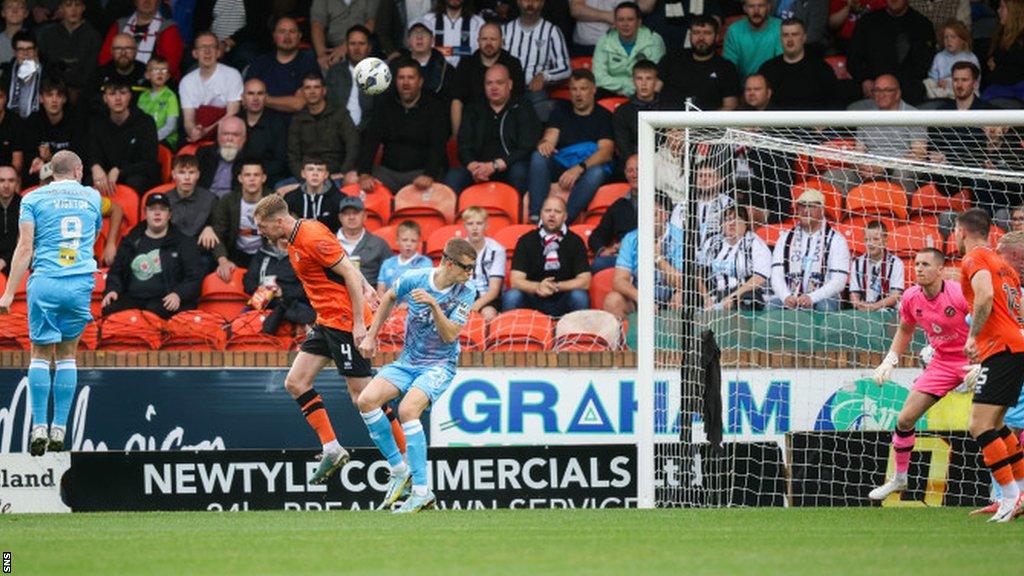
{"points": [[629, 542]]}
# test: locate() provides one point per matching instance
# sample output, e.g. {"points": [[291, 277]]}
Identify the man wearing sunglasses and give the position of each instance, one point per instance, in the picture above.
{"points": [[439, 302]]}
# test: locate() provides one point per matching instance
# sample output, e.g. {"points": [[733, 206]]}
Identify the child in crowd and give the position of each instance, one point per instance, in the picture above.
{"points": [[161, 102], [489, 274], [408, 257], [957, 42]]}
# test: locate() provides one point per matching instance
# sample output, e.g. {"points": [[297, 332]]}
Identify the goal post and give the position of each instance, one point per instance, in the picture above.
{"points": [[785, 369]]}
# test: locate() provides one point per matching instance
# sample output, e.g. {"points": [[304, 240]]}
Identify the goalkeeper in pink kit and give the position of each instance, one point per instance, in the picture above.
{"points": [[940, 309]]}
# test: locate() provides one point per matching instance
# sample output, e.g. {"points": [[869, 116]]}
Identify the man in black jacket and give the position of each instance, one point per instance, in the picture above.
{"points": [[10, 206], [122, 143], [497, 136], [219, 165], [616, 222], [468, 84], [899, 41], [266, 133], [413, 128], [156, 269]]}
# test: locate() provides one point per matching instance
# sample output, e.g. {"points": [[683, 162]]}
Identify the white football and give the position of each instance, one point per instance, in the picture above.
{"points": [[373, 76]]}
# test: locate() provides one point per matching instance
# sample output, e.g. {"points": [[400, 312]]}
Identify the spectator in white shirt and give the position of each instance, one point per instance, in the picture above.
{"points": [[876, 280], [210, 92]]}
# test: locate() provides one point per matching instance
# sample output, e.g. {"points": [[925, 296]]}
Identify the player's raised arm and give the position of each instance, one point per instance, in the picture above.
{"points": [[20, 261]]}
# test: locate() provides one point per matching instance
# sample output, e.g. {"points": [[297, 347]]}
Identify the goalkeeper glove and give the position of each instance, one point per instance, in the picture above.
{"points": [[884, 369], [973, 370]]}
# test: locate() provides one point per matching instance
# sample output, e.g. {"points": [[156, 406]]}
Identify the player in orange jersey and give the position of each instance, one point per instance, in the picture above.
{"points": [[992, 289], [336, 290]]}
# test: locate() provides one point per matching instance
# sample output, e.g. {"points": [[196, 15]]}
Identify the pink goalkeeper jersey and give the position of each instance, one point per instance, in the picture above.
{"points": [[942, 318]]}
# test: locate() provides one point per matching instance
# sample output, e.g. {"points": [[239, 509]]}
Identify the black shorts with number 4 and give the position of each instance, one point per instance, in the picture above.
{"points": [[338, 346], [999, 382]]}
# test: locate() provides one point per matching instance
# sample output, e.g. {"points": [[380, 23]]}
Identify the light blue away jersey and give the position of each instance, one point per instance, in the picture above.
{"points": [[423, 344], [67, 217]]}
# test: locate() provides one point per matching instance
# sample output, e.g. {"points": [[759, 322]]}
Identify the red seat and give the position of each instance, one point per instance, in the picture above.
{"points": [[500, 200], [440, 237], [14, 332], [604, 197], [165, 157], [854, 235], [388, 234], [520, 331], [879, 197], [473, 337], [195, 330], [355, 190], [584, 231], [247, 334], [905, 241], [224, 298], [128, 199], [508, 237], [392, 333], [99, 285], [600, 286], [431, 208], [909, 273], [928, 201], [131, 330], [612, 102], [770, 233], [838, 64], [585, 62], [194, 147], [833, 197], [90, 339], [378, 206]]}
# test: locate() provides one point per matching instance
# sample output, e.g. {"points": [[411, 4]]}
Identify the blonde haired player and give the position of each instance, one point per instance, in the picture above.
{"points": [[939, 308]]}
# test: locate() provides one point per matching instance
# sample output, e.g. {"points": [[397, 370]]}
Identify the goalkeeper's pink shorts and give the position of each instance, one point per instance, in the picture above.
{"points": [[940, 376]]}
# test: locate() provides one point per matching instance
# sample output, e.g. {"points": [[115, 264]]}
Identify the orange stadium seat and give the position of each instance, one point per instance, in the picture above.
{"points": [[194, 147], [585, 62], [128, 199], [90, 336], [14, 332], [392, 333], [587, 331], [3, 281], [388, 234], [605, 196], [224, 298], [905, 241], [584, 231], [431, 209], [770, 232], [165, 157], [195, 330], [854, 235], [20, 303], [99, 285], [473, 337], [612, 102], [355, 190], [247, 334], [508, 237], [600, 286], [927, 203], [131, 330], [909, 274], [520, 331], [833, 197], [378, 209], [820, 165], [437, 240], [879, 197], [500, 200]]}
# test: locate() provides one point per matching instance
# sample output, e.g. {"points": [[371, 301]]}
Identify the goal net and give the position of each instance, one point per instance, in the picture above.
{"points": [[777, 246]]}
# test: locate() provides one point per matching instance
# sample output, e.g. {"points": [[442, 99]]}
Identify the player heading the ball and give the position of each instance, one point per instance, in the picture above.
{"points": [[439, 301]]}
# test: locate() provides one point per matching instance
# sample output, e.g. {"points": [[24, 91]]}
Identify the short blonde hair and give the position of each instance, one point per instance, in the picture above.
{"points": [[1012, 239], [474, 211], [270, 207]]}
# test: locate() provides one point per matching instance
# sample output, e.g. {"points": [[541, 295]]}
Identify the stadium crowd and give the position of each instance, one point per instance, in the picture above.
{"points": [[513, 124]]}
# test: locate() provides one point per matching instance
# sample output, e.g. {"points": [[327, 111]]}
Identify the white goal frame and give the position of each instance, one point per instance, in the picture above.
{"points": [[648, 123]]}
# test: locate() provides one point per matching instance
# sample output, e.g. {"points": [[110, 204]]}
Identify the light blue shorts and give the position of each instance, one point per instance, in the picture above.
{"points": [[1015, 415], [432, 380], [58, 308]]}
